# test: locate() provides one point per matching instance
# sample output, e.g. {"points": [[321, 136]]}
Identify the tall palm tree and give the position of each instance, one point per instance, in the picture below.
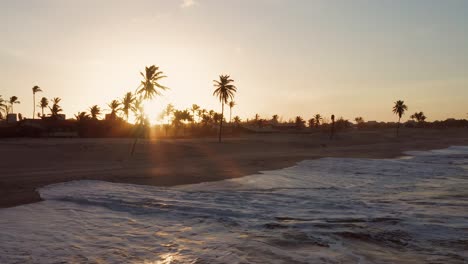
{"points": [[332, 131], [224, 91], [43, 104], [317, 119], [150, 86], [399, 109], [127, 104], [231, 105], [114, 106], [35, 89], [3, 106], [95, 112], [13, 100]]}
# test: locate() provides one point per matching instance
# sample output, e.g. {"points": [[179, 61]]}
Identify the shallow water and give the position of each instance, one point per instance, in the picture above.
{"points": [[332, 210]]}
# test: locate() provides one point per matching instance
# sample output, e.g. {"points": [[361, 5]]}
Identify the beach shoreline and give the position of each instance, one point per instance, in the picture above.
{"points": [[28, 164]]}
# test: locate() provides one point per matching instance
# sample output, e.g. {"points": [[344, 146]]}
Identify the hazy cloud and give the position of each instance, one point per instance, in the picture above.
{"points": [[188, 3]]}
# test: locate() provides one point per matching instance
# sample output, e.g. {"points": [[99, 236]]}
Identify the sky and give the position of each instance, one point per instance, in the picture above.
{"points": [[299, 57]]}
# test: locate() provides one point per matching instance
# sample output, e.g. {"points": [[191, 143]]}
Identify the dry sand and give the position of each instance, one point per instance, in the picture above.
{"points": [[26, 164]]}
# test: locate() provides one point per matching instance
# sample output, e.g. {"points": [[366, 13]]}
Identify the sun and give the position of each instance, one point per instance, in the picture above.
{"points": [[153, 110]]}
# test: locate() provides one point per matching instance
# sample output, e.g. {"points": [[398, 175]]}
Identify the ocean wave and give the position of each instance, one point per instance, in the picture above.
{"points": [[331, 210]]}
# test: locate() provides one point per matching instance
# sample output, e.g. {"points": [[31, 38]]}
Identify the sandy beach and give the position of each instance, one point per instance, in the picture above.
{"points": [[27, 164]]}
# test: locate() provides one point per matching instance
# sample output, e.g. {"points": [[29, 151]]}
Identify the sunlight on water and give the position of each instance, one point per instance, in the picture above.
{"points": [[331, 210]]}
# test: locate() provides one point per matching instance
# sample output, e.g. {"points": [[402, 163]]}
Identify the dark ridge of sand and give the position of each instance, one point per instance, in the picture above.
{"points": [[27, 164]]}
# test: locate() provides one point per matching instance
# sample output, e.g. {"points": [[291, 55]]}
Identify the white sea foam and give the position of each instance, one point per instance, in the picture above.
{"points": [[331, 210]]}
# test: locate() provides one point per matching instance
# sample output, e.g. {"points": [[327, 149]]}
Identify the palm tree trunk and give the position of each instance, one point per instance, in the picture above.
{"points": [[34, 106], [134, 144], [230, 115], [42, 111], [398, 127], [221, 122]]}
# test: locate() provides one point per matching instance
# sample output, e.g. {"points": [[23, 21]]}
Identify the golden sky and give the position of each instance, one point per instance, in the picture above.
{"points": [[348, 58]]}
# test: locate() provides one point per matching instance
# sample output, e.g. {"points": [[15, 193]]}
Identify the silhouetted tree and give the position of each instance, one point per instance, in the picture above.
{"points": [[95, 112], [35, 89], [237, 121], [231, 105], [44, 103], [311, 123], [139, 111], [150, 86], [82, 116], [55, 109], [217, 118], [180, 116], [13, 101], [114, 106], [332, 131], [166, 114], [359, 121], [3, 106], [399, 109], [299, 122], [224, 91], [274, 119], [127, 104], [194, 109], [201, 113], [317, 118], [420, 117]]}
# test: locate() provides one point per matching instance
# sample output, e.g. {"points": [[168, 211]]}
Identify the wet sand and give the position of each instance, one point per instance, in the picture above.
{"points": [[26, 164]]}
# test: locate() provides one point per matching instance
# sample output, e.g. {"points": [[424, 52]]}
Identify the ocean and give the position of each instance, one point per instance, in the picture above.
{"points": [[413, 209]]}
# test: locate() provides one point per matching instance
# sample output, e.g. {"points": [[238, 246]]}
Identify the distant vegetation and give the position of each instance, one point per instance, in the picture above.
{"points": [[194, 121]]}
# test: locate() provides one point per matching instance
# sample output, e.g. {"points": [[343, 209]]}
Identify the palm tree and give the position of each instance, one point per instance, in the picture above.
{"points": [[150, 86], [332, 131], [274, 119], [317, 119], [13, 100], [359, 121], [420, 117], [299, 122], [231, 105], [55, 109], [3, 106], [43, 104], [399, 109], [82, 116], [95, 112], [224, 91], [311, 122], [114, 106], [201, 113], [35, 90], [167, 113], [194, 109], [237, 120], [127, 104]]}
